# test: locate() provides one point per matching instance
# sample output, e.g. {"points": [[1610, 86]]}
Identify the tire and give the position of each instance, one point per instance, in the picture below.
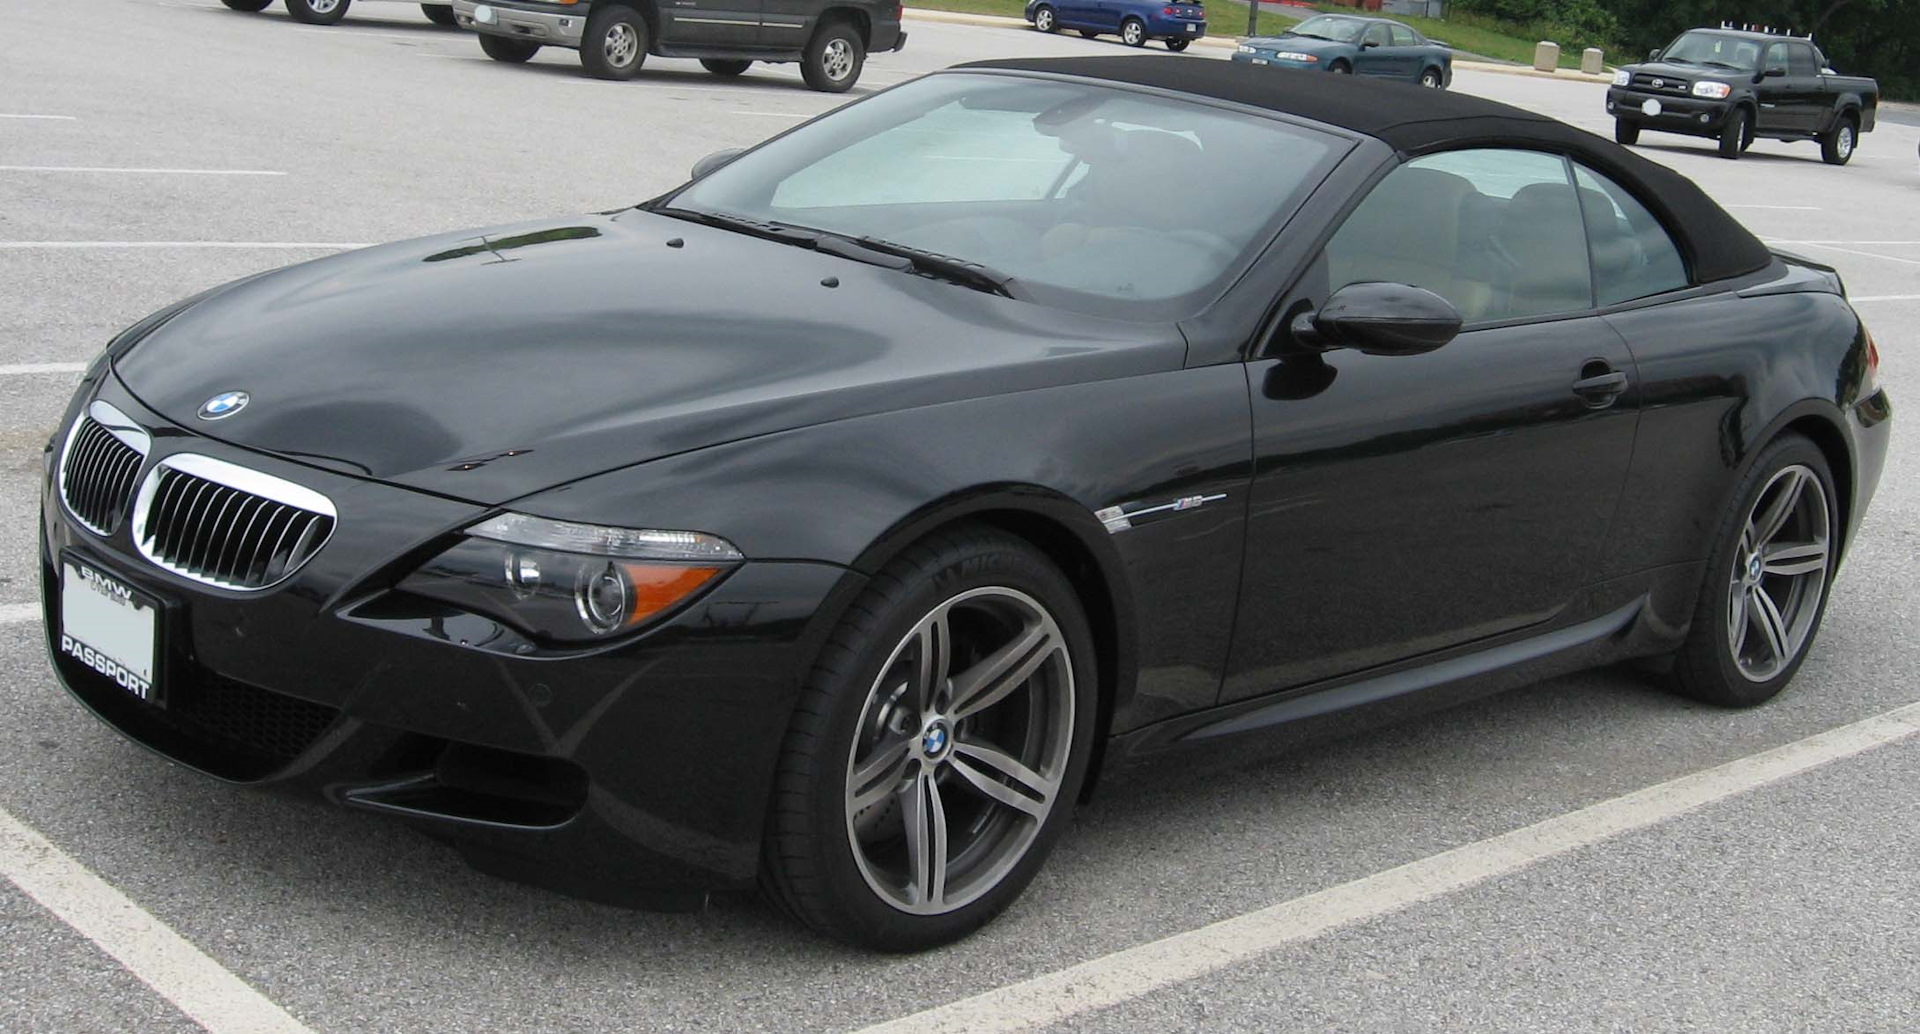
{"points": [[1737, 134], [615, 43], [318, 12], [848, 869], [1045, 19], [724, 67], [1626, 133], [249, 6], [1178, 45], [510, 51], [1757, 617], [439, 14], [1432, 79], [1340, 68], [1133, 32], [1836, 148], [833, 58], [1087, 33]]}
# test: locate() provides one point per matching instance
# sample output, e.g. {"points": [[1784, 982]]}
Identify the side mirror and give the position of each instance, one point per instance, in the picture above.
{"points": [[715, 160], [1368, 45], [1379, 319], [1654, 54], [1773, 73]]}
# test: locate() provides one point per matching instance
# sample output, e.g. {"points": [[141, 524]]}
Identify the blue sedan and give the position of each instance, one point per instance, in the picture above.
{"points": [[1346, 45], [1135, 21]]}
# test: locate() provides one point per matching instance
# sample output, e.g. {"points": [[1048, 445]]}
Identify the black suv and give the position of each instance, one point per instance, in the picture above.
{"points": [[830, 38]]}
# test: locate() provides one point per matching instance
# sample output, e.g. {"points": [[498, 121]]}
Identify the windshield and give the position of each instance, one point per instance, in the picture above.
{"points": [[1087, 197], [1712, 48], [1331, 26]]}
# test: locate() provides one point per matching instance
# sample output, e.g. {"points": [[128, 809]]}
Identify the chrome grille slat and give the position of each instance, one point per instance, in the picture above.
{"points": [[227, 525], [99, 466]]}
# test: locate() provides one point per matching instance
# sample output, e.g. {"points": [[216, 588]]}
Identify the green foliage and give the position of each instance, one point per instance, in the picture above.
{"points": [[1574, 24]]}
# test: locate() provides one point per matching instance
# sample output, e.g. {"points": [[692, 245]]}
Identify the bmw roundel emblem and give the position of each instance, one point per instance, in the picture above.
{"points": [[224, 405]]}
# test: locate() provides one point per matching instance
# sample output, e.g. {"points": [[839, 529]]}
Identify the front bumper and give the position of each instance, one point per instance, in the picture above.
{"points": [[1696, 116], [1266, 58], [535, 23], [635, 773]]}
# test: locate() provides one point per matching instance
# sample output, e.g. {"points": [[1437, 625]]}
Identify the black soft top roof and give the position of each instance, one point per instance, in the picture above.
{"points": [[1416, 121]]}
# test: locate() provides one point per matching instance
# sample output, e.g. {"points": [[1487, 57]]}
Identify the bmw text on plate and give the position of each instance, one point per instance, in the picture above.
{"points": [[834, 522]]}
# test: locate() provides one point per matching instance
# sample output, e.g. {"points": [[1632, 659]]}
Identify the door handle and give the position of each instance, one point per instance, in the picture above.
{"points": [[1600, 384]]}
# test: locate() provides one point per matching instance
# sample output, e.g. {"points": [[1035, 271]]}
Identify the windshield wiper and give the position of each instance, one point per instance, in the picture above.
{"points": [[783, 232], [945, 267], [1723, 64], [1310, 35]]}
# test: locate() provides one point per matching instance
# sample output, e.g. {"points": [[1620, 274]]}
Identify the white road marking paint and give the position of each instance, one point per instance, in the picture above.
{"points": [[1886, 298], [231, 245], [19, 613], [1135, 972], [50, 118], [143, 172], [22, 369], [1779, 208], [1862, 254], [201, 988], [1883, 244], [774, 114]]}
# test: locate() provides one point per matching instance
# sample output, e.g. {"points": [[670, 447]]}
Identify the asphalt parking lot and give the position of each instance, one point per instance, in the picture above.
{"points": [[176, 145]]}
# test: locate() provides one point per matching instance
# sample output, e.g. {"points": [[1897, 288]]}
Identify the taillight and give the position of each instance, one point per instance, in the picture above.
{"points": [[1169, 11]]}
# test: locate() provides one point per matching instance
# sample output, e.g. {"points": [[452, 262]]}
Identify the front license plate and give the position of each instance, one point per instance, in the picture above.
{"points": [[110, 627], [1650, 108], [1259, 60], [484, 15]]}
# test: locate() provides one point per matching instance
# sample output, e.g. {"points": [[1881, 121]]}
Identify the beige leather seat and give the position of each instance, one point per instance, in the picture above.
{"points": [[1542, 247], [1408, 232]]}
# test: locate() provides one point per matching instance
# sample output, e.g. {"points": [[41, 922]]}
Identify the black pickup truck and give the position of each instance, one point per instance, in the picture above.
{"points": [[830, 38], [1736, 86]]}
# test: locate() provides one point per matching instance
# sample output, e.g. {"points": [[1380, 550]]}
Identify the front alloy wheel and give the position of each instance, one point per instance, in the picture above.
{"points": [[318, 12], [1043, 19], [615, 43], [938, 747]]}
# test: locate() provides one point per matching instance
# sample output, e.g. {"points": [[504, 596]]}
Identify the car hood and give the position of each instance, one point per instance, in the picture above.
{"points": [[490, 364], [1687, 72], [1303, 44]]}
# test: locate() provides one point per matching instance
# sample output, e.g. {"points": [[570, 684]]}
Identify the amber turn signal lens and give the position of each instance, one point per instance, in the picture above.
{"points": [[656, 587]]}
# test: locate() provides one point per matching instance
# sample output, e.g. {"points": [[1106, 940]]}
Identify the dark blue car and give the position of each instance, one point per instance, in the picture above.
{"points": [[1347, 45], [1135, 21]]}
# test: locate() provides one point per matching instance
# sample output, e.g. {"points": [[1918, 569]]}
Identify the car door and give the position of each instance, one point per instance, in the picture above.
{"points": [[714, 23], [1375, 55], [1408, 504], [1404, 51], [1808, 95], [1779, 98]]}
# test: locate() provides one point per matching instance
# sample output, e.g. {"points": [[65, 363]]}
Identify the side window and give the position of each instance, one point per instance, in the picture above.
{"points": [[1496, 232], [1777, 57], [1403, 36], [1632, 255], [1376, 35], [1800, 60]]}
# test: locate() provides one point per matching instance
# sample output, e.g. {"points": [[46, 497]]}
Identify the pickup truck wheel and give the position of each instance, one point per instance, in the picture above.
{"points": [[318, 12], [1836, 148], [834, 58], [723, 67], [615, 43], [1133, 32], [248, 6], [439, 14], [1626, 133], [1737, 135], [1044, 20], [511, 51]]}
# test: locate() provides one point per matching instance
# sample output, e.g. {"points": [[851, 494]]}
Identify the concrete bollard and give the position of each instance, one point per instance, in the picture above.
{"points": [[1593, 61], [1546, 56]]}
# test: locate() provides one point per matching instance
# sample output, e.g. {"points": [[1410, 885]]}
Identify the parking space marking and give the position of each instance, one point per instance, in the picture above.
{"points": [[234, 245], [1138, 971], [145, 172], [51, 118], [19, 613], [208, 993], [1886, 298], [23, 369], [775, 114], [1862, 254], [1779, 208]]}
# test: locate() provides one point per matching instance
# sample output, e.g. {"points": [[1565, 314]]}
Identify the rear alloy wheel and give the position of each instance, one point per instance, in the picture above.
{"points": [[1178, 45], [248, 6], [615, 43], [938, 747], [1044, 20], [1766, 582], [1432, 79], [439, 14], [834, 58], [1737, 134], [318, 12], [1626, 133], [511, 51], [724, 67], [1836, 148], [1133, 32]]}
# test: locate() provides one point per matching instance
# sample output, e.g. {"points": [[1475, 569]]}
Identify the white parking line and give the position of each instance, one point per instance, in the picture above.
{"points": [[20, 369], [144, 172], [235, 245], [19, 613], [50, 118], [1886, 298], [201, 988], [1862, 254], [1779, 208], [775, 114], [1138, 971]]}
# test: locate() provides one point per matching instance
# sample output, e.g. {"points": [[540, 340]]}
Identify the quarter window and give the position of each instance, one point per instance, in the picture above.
{"points": [[1632, 255], [1496, 232]]}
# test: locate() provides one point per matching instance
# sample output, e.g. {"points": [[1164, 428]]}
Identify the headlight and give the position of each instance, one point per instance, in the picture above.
{"points": [[1711, 90], [571, 582], [1244, 49], [1622, 77], [1294, 55]]}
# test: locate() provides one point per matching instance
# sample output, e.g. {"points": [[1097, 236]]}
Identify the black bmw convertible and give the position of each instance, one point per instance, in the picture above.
{"points": [[834, 521]]}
